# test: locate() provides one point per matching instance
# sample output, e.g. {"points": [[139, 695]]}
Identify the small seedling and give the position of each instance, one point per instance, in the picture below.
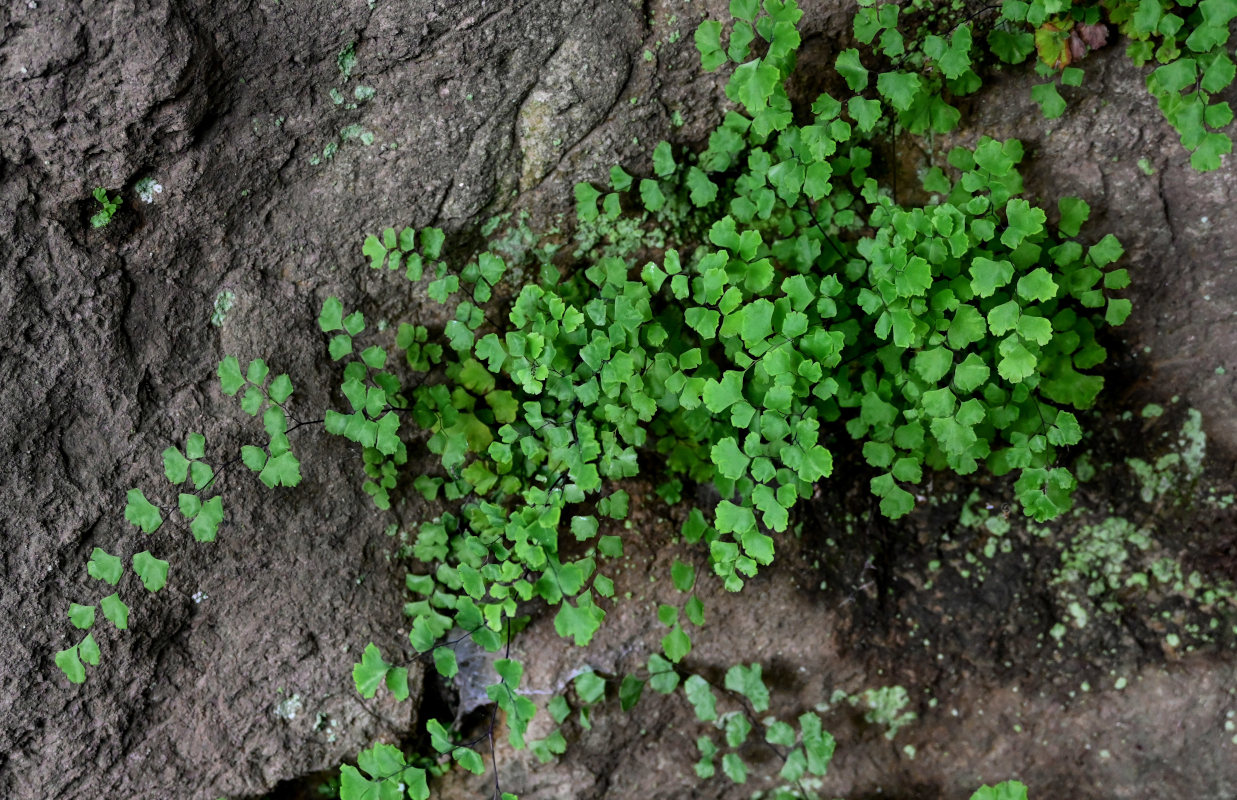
{"points": [[104, 215]]}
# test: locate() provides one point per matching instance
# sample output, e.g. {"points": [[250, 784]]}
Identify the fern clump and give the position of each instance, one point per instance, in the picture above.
{"points": [[814, 317], [818, 318]]}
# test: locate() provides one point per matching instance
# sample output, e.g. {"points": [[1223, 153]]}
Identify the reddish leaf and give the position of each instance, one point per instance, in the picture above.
{"points": [[1095, 36]]}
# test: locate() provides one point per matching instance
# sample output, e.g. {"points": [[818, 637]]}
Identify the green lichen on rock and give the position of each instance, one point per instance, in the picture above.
{"points": [[886, 706], [1176, 471], [223, 304], [1098, 556]]}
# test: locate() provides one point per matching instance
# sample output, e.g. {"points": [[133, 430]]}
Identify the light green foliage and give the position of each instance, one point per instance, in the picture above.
{"points": [[701, 698], [71, 665], [81, 616], [179, 467], [192, 477], [105, 567], [818, 745], [747, 682], [275, 464], [373, 671], [152, 571], [115, 611], [382, 773], [945, 337], [1009, 790], [141, 512], [108, 207], [886, 706]]}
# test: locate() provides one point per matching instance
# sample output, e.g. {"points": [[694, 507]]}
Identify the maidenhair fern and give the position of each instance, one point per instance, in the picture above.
{"points": [[814, 315], [818, 311], [193, 479], [928, 54]]}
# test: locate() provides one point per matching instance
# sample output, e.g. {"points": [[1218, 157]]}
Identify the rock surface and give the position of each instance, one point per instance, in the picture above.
{"points": [[276, 158]]}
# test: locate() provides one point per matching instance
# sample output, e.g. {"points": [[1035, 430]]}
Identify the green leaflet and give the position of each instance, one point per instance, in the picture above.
{"points": [[708, 42], [370, 672], [205, 524], [71, 665], [630, 690], [662, 676], [752, 85], [81, 616], [104, 567], [1009, 790], [590, 687], [175, 465], [152, 571], [88, 649], [852, 70], [730, 460], [281, 470], [987, 275], [747, 682], [734, 768], [663, 160], [900, 88], [230, 378], [683, 576], [1049, 99], [676, 644], [578, 622], [390, 777], [141, 512], [701, 698], [115, 611], [445, 662], [818, 744]]}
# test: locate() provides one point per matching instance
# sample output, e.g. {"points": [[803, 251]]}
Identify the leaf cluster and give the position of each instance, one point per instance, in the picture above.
{"points": [[188, 470], [181, 467], [924, 56], [275, 463], [1188, 39], [814, 315], [816, 312]]}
